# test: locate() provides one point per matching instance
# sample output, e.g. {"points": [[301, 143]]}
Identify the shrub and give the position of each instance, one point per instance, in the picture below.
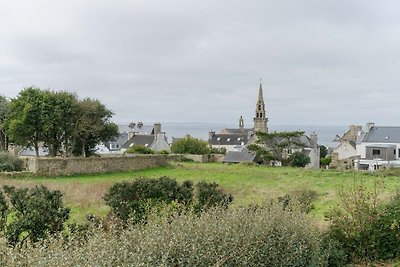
{"points": [[301, 198], [298, 159], [164, 152], [325, 161], [138, 149], [208, 195], [190, 145], [10, 163], [260, 236], [221, 150], [133, 200], [366, 230], [31, 214]]}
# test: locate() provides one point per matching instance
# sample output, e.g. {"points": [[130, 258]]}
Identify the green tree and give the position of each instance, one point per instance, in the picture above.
{"points": [[59, 115], [269, 146], [138, 149], [298, 159], [323, 151], [3, 115], [190, 145], [92, 126], [35, 213], [24, 123]]}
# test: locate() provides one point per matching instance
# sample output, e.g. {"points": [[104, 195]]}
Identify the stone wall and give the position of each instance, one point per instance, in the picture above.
{"points": [[68, 166], [205, 158]]}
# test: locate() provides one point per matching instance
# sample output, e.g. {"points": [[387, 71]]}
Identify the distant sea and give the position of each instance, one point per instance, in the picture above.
{"points": [[326, 134]]}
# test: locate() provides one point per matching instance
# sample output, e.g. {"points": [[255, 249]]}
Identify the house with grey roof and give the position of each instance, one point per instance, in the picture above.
{"points": [[344, 154], [138, 133], [378, 147], [240, 156]]}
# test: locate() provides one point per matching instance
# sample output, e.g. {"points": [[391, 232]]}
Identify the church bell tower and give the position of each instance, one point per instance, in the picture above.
{"points": [[260, 120]]}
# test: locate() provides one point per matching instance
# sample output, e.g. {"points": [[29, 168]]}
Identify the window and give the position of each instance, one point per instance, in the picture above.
{"points": [[238, 139], [228, 139], [289, 151], [376, 152], [219, 138]]}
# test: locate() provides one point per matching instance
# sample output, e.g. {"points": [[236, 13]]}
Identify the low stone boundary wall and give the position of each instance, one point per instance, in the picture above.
{"points": [[68, 166]]}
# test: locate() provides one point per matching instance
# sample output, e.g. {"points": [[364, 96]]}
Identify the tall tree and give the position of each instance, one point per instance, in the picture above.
{"points": [[269, 146], [59, 115], [92, 126], [24, 123], [3, 116]]}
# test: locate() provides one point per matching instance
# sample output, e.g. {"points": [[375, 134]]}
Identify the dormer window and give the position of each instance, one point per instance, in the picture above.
{"points": [[228, 139]]}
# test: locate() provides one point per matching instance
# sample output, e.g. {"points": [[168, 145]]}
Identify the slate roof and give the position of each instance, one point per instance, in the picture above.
{"points": [[383, 134], [144, 129], [235, 131], [142, 140], [228, 139], [239, 156], [118, 142]]}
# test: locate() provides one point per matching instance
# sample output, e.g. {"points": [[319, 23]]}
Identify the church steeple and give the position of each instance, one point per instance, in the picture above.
{"points": [[260, 120], [241, 122]]}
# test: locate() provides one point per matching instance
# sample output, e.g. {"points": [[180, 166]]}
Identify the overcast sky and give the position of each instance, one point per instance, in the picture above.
{"points": [[322, 62]]}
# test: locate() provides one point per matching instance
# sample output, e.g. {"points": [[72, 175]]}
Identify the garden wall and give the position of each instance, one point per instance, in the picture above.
{"points": [[68, 166]]}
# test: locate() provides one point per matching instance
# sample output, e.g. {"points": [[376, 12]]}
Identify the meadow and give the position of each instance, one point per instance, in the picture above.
{"points": [[249, 184]]}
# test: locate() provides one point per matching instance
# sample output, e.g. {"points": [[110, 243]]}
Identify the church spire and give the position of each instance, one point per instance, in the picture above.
{"points": [[260, 120]]}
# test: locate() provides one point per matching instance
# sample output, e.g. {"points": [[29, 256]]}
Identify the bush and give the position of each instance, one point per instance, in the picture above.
{"points": [[190, 145], [164, 152], [298, 159], [10, 163], [325, 161], [133, 200], [221, 150], [138, 149], [302, 199], [31, 214], [258, 236], [366, 230], [208, 195]]}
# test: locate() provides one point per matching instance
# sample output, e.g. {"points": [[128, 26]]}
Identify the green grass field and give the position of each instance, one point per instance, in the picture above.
{"points": [[248, 184]]}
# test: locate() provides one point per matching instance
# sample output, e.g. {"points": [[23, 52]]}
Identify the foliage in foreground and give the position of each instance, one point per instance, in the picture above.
{"points": [[368, 230], [30, 214], [134, 200], [9, 163], [254, 236], [298, 159]]}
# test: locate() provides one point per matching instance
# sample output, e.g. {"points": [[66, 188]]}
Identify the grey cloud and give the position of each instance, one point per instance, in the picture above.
{"points": [[322, 62]]}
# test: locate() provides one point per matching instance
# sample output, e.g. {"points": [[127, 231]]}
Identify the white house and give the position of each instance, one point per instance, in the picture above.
{"points": [[378, 147]]}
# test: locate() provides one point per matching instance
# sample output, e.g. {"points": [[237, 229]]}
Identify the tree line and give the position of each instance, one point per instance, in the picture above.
{"points": [[58, 120]]}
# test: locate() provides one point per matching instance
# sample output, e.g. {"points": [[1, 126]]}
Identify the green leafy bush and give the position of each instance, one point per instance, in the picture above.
{"points": [[190, 145], [133, 200], [31, 214], [256, 236], [138, 149], [325, 161], [298, 159], [367, 230], [208, 195], [10, 163]]}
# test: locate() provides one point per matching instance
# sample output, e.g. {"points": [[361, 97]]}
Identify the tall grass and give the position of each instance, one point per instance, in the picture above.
{"points": [[255, 236]]}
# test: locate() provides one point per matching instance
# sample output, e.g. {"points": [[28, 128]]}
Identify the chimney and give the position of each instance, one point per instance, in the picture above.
{"points": [[370, 125], [211, 134], [314, 139], [157, 128]]}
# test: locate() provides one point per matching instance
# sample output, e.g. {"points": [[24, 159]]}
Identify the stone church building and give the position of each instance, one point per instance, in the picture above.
{"points": [[235, 140]]}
